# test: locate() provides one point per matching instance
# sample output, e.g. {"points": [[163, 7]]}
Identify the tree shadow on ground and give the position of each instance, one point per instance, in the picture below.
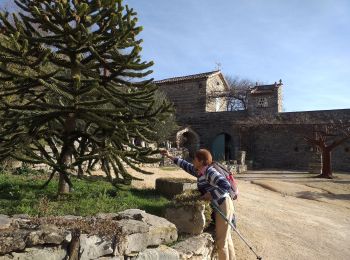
{"points": [[342, 181], [151, 194], [321, 195]]}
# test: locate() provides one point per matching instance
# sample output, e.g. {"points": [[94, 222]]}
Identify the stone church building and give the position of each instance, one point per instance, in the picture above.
{"points": [[205, 123]]}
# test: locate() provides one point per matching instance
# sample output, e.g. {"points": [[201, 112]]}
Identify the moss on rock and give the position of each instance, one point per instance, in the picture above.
{"points": [[193, 198]]}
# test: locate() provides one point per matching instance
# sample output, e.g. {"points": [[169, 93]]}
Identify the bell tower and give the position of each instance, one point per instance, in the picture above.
{"points": [[265, 99]]}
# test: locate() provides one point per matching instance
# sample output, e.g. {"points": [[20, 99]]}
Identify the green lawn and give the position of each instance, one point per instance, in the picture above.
{"points": [[21, 194]]}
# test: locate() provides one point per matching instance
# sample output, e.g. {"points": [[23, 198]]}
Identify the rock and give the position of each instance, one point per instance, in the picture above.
{"points": [[13, 164], [131, 244], [5, 221], [13, 241], [54, 253], [170, 187], [140, 230], [162, 253], [106, 215], [47, 234], [92, 247], [187, 218], [196, 248], [72, 217], [130, 226], [20, 216]]}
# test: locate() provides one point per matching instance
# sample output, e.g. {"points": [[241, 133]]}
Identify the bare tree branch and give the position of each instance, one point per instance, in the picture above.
{"points": [[236, 96]]}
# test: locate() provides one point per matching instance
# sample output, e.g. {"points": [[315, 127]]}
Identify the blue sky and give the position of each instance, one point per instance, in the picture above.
{"points": [[306, 43]]}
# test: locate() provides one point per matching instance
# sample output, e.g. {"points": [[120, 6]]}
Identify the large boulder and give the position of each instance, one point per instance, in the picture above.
{"points": [[92, 247], [188, 219], [196, 248], [139, 230], [189, 212], [170, 187], [12, 241], [47, 234]]}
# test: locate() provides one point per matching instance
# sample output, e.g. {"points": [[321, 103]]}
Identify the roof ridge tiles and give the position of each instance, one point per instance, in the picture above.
{"points": [[188, 77]]}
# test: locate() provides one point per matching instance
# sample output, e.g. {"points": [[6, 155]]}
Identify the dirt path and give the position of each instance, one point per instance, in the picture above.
{"points": [[288, 215]]}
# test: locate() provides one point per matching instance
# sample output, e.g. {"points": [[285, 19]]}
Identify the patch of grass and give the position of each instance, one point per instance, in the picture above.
{"points": [[21, 194]]}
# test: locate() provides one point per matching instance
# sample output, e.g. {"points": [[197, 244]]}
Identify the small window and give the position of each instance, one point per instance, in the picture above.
{"points": [[347, 149], [262, 102], [296, 149]]}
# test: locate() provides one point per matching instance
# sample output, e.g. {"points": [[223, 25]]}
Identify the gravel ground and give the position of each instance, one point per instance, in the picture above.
{"points": [[286, 215]]}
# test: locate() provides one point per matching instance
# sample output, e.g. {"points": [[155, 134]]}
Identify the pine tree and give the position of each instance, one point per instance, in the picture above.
{"points": [[83, 95]]}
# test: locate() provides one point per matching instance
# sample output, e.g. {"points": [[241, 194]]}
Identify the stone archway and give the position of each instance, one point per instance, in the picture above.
{"points": [[189, 139], [222, 147]]}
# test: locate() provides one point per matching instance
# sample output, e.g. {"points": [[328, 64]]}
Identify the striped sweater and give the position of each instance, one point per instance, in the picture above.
{"points": [[211, 181]]}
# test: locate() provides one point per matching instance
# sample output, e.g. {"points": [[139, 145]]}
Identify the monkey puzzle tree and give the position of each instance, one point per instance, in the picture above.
{"points": [[83, 95]]}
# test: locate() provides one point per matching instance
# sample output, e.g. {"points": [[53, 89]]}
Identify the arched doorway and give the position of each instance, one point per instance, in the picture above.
{"points": [[222, 148], [189, 140]]}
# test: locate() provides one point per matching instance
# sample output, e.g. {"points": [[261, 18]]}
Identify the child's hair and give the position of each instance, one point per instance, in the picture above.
{"points": [[204, 156]]}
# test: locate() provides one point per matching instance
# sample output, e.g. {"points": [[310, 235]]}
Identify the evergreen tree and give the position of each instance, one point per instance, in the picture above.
{"points": [[164, 130], [83, 95]]}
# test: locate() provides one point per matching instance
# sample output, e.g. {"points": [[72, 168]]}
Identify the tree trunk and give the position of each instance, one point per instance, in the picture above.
{"points": [[69, 126], [63, 186], [66, 155], [326, 163]]}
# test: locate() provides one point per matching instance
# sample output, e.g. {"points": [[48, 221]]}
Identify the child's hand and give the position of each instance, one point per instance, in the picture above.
{"points": [[164, 153], [167, 154]]}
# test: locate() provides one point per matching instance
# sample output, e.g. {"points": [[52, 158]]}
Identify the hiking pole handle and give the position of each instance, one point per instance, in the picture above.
{"points": [[235, 229]]}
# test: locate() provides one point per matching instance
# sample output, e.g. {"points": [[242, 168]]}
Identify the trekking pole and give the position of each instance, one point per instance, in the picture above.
{"points": [[232, 226]]}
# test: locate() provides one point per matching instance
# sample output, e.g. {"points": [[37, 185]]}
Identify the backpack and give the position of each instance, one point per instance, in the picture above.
{"points": [[229, 176]]}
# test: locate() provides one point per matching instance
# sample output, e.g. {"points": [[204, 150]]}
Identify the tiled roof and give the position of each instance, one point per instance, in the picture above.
{"points": [[189, 77], [259, 89]]}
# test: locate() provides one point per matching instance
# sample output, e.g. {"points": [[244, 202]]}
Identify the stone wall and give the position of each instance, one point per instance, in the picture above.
{"points": [[132, 234], [186, 96], [268, 147]]}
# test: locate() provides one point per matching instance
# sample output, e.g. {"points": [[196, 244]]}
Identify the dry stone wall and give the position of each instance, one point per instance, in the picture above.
{"points": [[131, 234]]}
